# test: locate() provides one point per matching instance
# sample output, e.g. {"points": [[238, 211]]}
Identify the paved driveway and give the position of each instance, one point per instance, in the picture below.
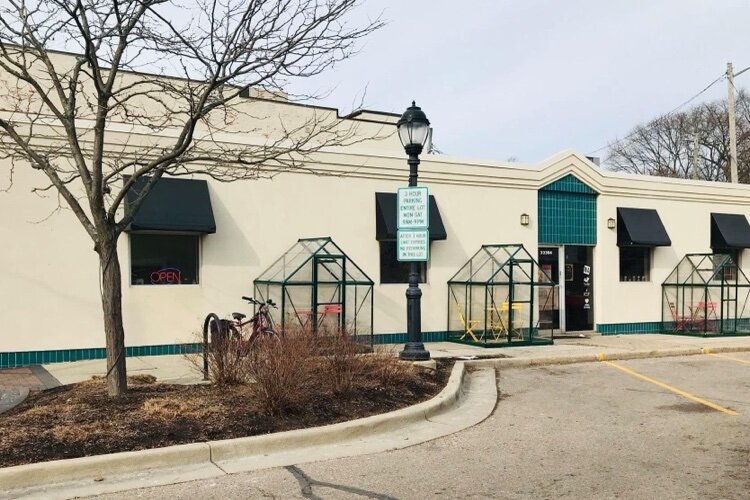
{"points": [[593, 430]]}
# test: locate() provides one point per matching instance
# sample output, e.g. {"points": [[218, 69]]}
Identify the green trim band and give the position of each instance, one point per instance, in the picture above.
{"points": [[401, 338], [629, 328], [25, 358], [667, 327]]}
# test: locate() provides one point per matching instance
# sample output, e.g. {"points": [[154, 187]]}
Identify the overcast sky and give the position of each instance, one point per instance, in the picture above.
{"points": [[527, 79]]}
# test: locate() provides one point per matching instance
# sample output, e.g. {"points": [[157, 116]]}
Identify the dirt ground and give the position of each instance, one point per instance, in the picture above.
{"points": [[81, 420]]}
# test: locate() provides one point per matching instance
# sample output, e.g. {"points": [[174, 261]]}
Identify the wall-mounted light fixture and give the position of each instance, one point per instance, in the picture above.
{"points": [[610, 223], [524, 219]]}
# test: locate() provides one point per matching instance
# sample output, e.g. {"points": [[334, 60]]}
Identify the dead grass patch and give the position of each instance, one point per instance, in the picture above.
{"points": [[167, 408], [79, 433]]}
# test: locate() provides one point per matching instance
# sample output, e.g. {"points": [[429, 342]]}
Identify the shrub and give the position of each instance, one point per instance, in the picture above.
{"points": [[342, 367], [281, 371], [224, 352]]}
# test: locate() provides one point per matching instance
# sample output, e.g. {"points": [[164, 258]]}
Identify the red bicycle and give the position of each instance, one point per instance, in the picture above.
{"points": [[230, 333]]}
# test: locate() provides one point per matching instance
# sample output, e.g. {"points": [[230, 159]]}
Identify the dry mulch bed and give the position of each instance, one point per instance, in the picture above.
{"points": [[80, 420]]}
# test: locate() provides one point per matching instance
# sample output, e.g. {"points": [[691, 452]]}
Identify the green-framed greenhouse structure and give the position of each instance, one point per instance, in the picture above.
{"points": [[706, 294], [318, 287], [501, 297]]}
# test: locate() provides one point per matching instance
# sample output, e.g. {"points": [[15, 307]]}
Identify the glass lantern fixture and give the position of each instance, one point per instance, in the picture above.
{"points": [[413, 128]]}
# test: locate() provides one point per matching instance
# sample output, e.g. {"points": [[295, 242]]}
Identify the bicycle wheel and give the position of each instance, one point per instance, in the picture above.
{"points": [[237, 344]]}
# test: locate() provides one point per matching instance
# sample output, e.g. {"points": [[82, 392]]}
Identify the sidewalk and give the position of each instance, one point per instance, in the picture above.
{"points": [[593, 345]]}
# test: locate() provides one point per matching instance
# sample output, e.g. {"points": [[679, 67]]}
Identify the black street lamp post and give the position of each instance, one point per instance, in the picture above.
{"points": [[413, 130]]}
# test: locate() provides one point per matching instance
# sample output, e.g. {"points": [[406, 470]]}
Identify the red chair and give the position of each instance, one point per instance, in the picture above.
{"points": [[326, 310], [680, 322], [708, 319]]}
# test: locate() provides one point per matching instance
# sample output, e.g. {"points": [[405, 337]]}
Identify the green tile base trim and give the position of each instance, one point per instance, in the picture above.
{"points": [[629, 328], [400, 338], [743, 329], [25, 358], [708, 334]]}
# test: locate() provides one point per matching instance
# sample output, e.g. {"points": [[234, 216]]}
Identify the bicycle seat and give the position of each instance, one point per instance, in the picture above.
{"points": [[239, 316]]}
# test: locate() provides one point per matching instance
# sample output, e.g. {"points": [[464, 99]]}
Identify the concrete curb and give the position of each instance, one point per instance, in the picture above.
{"points": [[230, 449], [590, 358], [100, 466]]}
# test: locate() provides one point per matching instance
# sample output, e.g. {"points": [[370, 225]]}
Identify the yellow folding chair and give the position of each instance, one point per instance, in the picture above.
{"points": [[505, 308], [495, 322], [468, 324]]}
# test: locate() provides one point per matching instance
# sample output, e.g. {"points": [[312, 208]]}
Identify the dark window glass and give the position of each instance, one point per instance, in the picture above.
{"points": [[729, 271], [393, 271], [635, 263], [163, 259]]}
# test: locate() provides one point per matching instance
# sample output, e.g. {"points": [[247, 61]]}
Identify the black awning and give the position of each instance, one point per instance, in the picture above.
{"points": [[173, 205], [640, 227], [729, 231], [386, 223]]}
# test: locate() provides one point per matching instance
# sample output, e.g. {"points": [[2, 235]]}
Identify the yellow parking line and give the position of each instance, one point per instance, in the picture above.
{"points": [[738, 360], [673, 389]]}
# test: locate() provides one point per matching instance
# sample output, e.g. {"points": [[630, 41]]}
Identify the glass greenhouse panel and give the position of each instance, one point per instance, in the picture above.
{"points": [[706, 295], [360, 302], [494, 299], [297, 306], [320, 289]]}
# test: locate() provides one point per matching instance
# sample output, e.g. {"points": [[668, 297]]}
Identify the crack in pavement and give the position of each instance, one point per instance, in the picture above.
{"points": [[306, 484]]}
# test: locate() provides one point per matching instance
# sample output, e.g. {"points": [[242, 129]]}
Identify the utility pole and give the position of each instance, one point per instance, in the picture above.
{"points": [[694, 156], [732, 125]]}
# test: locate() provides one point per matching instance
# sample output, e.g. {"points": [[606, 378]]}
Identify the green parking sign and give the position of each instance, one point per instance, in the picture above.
{"points": [[413, 207], [413, 245]]}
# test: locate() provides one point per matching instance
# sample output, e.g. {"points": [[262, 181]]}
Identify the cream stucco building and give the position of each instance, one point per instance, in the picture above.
{"points": [[49, 283]]}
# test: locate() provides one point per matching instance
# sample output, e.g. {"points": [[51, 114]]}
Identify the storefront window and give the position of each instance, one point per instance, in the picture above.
{"points": [[635, 263], [163, 259], [730, 273], [393, 271]]}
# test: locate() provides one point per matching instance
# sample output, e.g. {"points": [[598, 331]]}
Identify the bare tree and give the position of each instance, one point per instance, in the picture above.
{"points": [[62, 114], [664, 145]]}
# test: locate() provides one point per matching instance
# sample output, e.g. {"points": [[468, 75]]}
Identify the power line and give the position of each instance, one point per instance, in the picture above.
{"points": [[744, 101], [628, 136], [741, 71]]}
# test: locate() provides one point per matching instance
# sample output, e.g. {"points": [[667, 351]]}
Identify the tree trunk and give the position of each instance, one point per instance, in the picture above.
{"points": [[117, 383]]}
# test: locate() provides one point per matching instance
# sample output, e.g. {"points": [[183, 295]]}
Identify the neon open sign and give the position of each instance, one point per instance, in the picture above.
{"points": [[166, 276]]}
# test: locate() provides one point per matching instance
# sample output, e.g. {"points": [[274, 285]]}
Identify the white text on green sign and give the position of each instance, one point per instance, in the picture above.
{"points": [[413, 208], [413, 245]]}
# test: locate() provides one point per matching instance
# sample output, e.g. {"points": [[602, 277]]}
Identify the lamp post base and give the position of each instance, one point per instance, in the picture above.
{"points": [[414, 351]]}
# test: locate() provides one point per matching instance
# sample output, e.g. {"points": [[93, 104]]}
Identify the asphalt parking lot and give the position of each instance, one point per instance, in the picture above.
{"points": [[653, 428]]}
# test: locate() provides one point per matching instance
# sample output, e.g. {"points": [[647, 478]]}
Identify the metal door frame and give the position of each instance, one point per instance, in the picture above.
{"points": [[560, 281], [317, 261]]}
